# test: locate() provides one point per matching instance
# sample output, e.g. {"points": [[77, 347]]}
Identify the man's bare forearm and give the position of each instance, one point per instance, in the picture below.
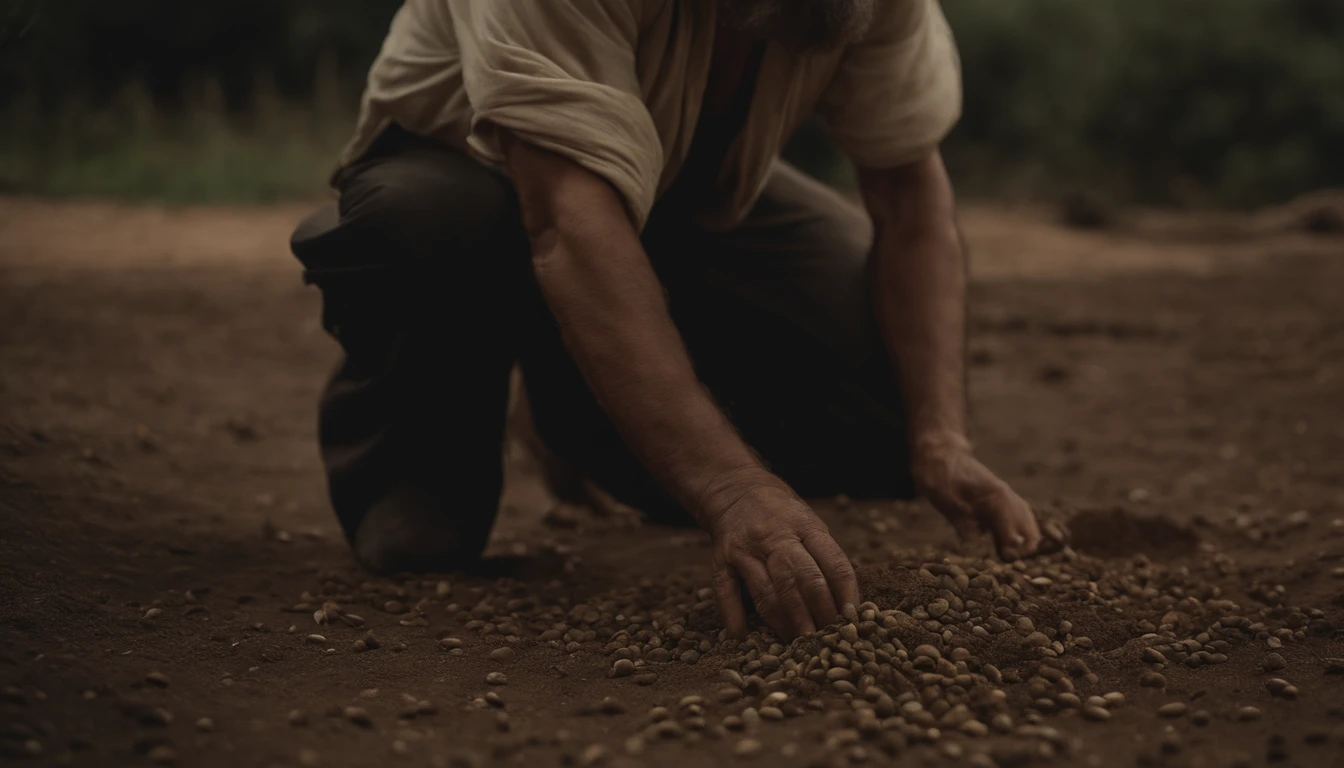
{"points": [[920, 294], [614, 320]]}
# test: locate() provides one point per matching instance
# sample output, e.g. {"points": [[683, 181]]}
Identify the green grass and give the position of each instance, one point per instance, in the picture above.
{"points": [[133, 150]]}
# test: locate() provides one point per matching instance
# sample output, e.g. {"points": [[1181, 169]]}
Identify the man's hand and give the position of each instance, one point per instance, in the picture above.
{"points": [[771, 542], [973, 498]]}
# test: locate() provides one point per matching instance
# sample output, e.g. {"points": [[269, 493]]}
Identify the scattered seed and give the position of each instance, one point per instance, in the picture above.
{"points": [[1172, 709], [747, 748]]}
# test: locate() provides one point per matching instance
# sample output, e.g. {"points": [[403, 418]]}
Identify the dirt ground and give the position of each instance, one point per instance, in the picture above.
{"points": [[1172, 394]]}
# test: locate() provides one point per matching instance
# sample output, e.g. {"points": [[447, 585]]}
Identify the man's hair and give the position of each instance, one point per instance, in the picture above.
{"points": [[802, 25]]}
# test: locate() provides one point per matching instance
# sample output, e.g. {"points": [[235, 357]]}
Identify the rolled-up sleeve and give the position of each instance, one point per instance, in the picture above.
{"points": [[561, 75], [897, 93]]}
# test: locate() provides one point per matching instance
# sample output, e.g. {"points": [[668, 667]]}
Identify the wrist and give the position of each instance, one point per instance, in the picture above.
{"points": [[934, 442], [725, 489]]}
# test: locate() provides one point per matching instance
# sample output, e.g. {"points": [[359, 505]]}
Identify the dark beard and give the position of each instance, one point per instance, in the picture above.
{"points": [[801, 25]]}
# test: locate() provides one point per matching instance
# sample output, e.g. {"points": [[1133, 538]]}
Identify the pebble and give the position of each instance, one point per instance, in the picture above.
{"points": [[645, 678], [1273, 663], [359, 716], [153, 613], [622, 668], [157, 679], [1153, 680], [1097, 714], [1246, 714], [503, 655], [496, 678], [450, 643]]}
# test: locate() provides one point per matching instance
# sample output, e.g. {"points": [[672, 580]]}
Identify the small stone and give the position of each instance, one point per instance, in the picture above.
{"points": [[359, 716], [162, 754], [205, 725], [450, 643], [154, 613], [622, 668], [1246, 714], [645, 678], [503, 655], [1172, 709], [927, 652], [747, 748], [496, 678], [157, 679], [1273, 663], [1153, 656]]}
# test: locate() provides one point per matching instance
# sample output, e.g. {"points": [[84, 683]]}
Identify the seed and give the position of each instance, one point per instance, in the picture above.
{"points": [[610, 706], [728, 695], [749, 747], [394, 606], [153, 613], [496, 678], [927, 652], [298, 718], [162, 754], [1246, 714], [622, 668], [1152, 680], [205, 725], [771, 713], [1114, 699], [645, 678], [974, 728], [157, 679], [1201, 717], [1153, 656], [1098, 714], [359, 716], [938, 607], [315, 639], [1273, 663], [504, 655], [593, 755], [1173, 709], [1035, 640], [443, 590]]}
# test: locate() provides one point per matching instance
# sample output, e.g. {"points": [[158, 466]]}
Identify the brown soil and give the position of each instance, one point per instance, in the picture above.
{"points": [[1174, 402]]}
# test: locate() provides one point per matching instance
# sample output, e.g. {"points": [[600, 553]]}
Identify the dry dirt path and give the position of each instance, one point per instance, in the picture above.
{"points": [[1176, 403]]}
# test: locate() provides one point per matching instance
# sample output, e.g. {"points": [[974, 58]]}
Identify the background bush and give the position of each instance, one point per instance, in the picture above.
{"points": [[1196, 102]]}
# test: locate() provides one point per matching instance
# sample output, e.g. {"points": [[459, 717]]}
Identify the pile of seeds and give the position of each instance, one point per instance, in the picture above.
{"points": [[958, 653]]}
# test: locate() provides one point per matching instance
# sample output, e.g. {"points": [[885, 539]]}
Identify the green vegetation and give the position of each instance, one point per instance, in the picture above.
{"points": [[1232, 103]]}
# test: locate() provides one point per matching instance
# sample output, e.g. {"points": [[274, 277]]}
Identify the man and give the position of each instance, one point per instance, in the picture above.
{"points": [[591, 188]]}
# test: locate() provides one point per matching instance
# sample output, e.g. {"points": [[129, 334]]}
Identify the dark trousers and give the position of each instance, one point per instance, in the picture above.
{"points": [[427, 284]]}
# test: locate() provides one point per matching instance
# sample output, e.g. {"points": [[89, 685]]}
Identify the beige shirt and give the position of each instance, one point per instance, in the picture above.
{"points": [[616, 86]]}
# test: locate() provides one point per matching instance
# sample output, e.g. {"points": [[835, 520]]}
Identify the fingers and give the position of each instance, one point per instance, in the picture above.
{"points": [[1016, 533], [762, 591], [836, 568], [728, 594], [801, 587]]}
